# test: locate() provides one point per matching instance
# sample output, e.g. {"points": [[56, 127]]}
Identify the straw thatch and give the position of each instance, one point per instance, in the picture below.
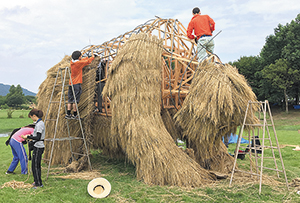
{"points": [[101, 137], [214, 108], [134, 84]]}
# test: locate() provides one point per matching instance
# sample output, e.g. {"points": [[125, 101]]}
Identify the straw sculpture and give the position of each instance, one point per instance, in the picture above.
{"points": [[137, 79], [134, 85], [62, 152], [214, 108]]}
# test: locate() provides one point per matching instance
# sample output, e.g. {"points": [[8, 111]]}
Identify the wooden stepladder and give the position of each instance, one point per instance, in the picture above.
{"points": [[264, 134], [56, 120]]}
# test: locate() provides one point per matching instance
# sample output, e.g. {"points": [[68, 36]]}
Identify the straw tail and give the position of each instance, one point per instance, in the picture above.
{"points": [[134, 84], [214, 108]]}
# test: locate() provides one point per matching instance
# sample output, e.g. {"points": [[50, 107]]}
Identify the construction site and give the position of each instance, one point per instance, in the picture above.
{"points": [[144, 91]]}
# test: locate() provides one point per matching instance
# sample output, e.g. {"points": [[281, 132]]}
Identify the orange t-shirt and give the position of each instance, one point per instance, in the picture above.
{"points": [[202, 25], [76, 69]]}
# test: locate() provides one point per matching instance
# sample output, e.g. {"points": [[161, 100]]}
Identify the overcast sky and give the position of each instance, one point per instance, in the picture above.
{"points": [[36, 34]]}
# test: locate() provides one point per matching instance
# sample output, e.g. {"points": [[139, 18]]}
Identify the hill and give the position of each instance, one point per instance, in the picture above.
{"points": [[4, 89]]}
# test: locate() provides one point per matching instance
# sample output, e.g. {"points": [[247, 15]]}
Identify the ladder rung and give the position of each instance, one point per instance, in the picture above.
{"points": [[273, 169], [50, 120], [58, 102], [265, 157], [269, 147], [63, 139], [77, 119], [260, 125], [266, 138]]}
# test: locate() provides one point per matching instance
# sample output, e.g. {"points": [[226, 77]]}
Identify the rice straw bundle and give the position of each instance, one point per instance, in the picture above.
{"points": [[134, 84], [16, 185], [214, 108]]}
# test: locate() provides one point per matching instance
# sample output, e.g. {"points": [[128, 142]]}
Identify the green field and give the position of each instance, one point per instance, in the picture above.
{"points": [[125, 187], [7, 125]]}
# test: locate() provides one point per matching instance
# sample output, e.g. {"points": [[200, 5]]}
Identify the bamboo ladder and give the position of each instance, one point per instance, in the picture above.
{"points": [[264, 108], [56, 120]]}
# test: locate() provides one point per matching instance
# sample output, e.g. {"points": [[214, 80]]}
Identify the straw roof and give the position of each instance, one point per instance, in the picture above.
{"points": [[134, 85], [214, 108]]}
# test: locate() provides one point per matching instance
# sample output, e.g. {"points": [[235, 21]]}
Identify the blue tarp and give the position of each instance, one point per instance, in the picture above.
{"points": [[296, 106], [234, 138]]}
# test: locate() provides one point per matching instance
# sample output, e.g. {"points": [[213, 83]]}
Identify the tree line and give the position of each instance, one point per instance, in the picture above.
{"points": [[274, 74], [16, 98]]}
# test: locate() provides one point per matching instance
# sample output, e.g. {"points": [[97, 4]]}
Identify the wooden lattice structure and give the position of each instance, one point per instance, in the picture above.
{"points": [[179, 61]]}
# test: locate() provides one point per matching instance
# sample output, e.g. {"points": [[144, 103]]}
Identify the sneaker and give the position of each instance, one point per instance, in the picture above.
{"points": [[68, 116], [74, 117], [10, 172], [35, 187], [33, 184]]}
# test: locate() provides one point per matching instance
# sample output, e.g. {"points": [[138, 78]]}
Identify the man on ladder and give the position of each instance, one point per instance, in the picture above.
{"points": [[77, 64]]}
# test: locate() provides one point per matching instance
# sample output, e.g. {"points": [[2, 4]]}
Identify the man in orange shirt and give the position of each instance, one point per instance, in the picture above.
{"points": [[77, 64], [203, 27]]}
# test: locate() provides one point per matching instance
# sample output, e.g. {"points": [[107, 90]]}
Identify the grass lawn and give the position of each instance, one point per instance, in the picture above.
{"points": [[8, 124], [125, 187]]}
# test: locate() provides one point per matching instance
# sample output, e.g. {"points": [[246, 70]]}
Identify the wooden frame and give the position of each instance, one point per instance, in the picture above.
{"points": [[178, 59]]}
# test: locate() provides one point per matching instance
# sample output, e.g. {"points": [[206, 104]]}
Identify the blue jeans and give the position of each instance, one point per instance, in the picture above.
{"points": [[208, 45], [19, 154]]}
